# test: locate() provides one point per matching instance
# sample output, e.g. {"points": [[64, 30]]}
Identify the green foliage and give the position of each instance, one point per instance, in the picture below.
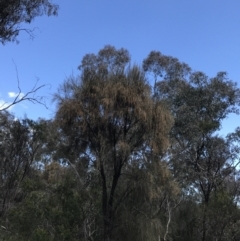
{"points": [[14, 13]]}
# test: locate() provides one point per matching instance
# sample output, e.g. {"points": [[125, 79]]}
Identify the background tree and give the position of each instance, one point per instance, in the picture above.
{"points": [[20, 142], [199, 158]]}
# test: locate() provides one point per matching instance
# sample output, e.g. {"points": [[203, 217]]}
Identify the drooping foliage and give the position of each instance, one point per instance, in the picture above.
{"points": [[109, 117]]}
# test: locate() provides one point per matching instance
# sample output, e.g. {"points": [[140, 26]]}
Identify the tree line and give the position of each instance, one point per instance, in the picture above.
{"points": [[133, 153]]}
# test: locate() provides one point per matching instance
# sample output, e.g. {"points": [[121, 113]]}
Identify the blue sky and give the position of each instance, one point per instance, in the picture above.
{"points": [[204, 34]]}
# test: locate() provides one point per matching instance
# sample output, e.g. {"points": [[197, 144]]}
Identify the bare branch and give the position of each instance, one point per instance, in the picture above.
{"points": [[29, 96]]}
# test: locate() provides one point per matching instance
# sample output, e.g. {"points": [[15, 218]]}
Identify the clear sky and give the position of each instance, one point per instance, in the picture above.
{"points": [[203, 33]]}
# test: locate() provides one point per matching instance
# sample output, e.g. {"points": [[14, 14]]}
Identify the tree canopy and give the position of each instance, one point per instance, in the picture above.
{"points": [[14, 13], [109, 116]]}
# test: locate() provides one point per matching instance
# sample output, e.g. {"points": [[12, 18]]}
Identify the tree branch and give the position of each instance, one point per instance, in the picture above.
{"points": [[29, 96]]}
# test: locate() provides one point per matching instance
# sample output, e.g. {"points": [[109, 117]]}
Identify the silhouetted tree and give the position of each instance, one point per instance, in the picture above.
{"points": [[14, 13]]}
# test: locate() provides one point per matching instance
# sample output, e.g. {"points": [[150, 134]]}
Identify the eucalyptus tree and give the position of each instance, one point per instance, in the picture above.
{"points": [[108, 116], [13, 14], [200, 159]]}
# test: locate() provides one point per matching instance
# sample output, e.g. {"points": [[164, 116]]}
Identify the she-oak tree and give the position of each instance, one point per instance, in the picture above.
{"points": [[109, 116]]}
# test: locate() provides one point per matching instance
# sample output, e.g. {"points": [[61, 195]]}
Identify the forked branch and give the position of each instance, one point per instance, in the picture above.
{"points": [[29, 96]]}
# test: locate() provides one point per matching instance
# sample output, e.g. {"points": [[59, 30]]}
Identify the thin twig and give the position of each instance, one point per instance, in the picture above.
{"points": [[26, 97]]}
